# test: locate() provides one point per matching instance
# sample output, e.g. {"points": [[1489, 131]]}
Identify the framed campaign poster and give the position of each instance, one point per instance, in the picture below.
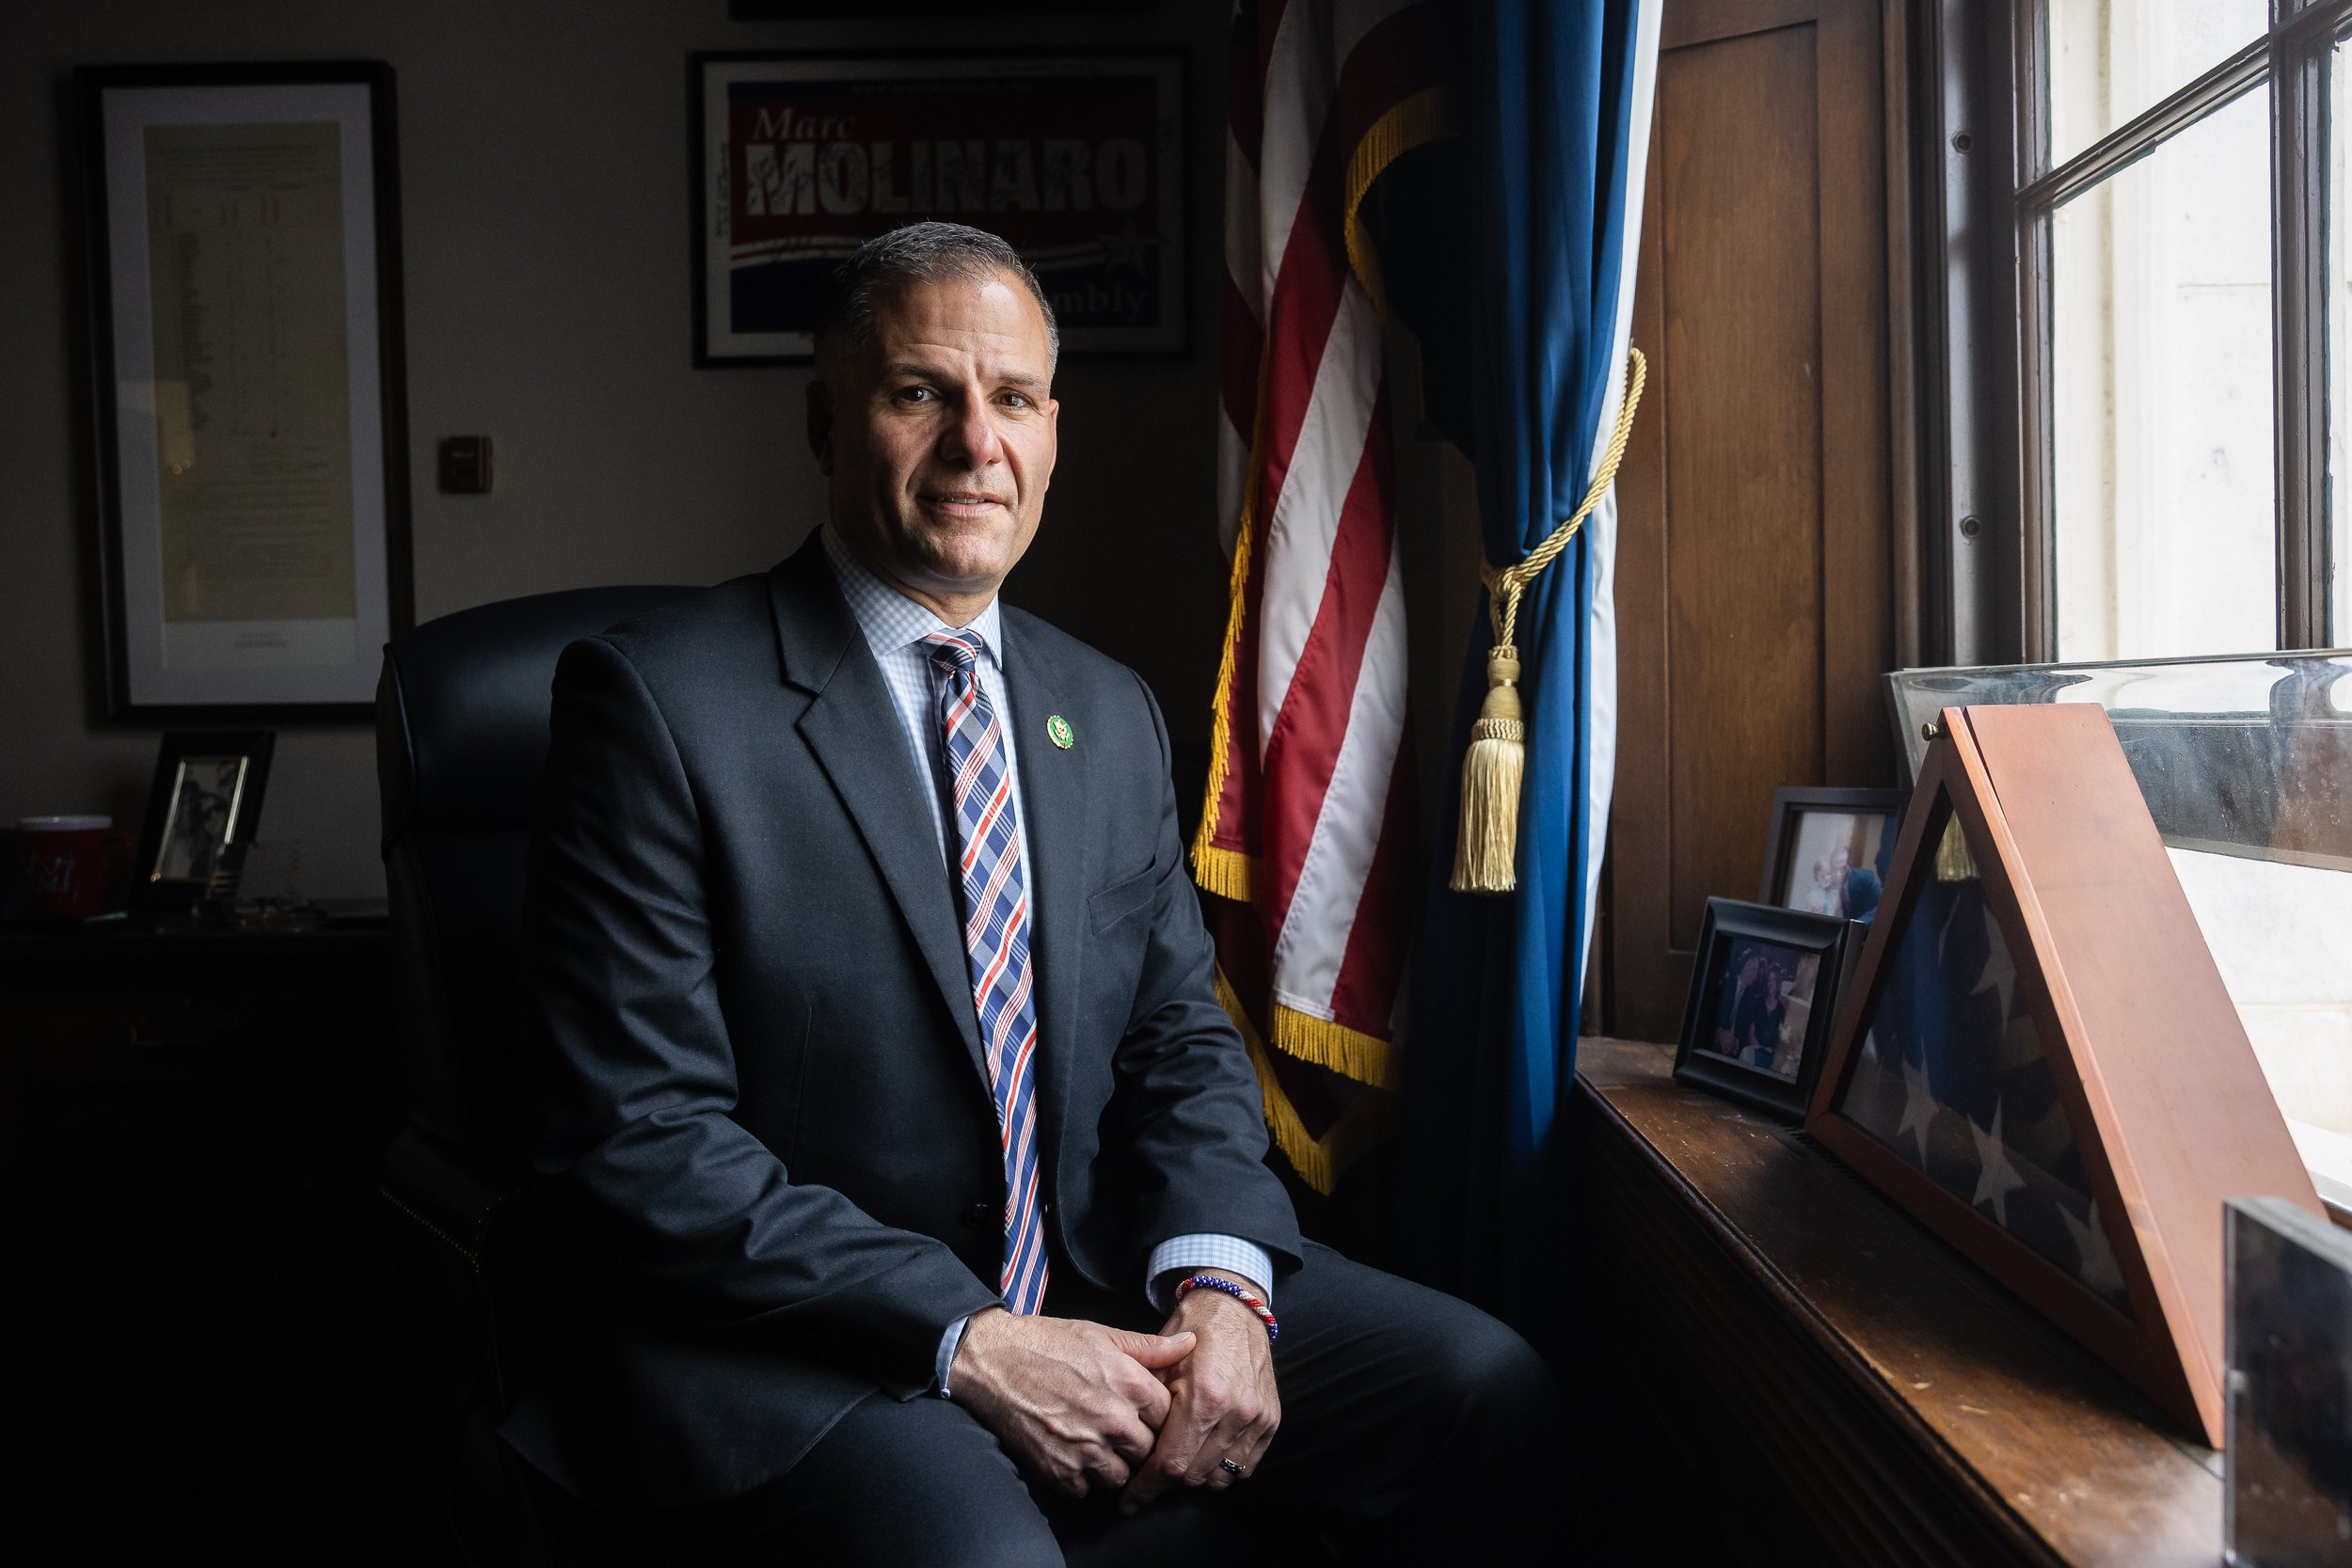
{"points": [[1076, 159], [244, 237]]}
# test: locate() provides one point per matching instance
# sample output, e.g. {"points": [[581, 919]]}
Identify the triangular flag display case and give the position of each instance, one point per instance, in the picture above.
{"points": [[2038, 1058]]}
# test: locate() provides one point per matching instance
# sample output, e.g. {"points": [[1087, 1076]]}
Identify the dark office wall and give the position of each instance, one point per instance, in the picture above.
{"points": [[543, 149]]}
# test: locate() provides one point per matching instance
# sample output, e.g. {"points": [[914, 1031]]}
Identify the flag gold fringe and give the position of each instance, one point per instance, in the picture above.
{"points": [[1366, 1058], [1320, 1161], [1227, 872], [1214, 867], [1426, 116], [1953, 863]]}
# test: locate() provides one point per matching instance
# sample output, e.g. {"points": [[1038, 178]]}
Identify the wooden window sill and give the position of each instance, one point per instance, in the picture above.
{"points": [[1913, 1409]]}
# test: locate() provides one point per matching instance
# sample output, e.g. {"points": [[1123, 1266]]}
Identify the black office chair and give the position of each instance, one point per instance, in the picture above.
{"points": [[460, 737]]}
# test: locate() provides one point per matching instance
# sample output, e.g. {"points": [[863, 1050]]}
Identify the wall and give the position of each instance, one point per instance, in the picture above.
{"points": [[543, 151]]}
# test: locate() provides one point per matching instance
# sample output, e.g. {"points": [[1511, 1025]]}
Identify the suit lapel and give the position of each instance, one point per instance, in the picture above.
{"points": [[1054, 799], [852, 728]]}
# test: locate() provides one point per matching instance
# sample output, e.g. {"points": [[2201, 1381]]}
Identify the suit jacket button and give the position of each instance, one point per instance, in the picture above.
{"points": [[978, 1215]]}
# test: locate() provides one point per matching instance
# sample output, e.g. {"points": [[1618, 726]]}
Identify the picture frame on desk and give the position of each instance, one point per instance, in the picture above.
{"points": [[243, 229], [1075, 159], [1830, 849], [205, 802], [1763, 994]]}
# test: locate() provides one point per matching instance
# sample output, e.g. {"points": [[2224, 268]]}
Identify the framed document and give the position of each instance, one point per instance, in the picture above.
{"points": [[1076, 159], [252, 440]]}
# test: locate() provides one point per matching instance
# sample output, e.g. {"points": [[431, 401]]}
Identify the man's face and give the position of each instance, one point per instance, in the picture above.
{"points": [[1747, 971], [938, 434]]}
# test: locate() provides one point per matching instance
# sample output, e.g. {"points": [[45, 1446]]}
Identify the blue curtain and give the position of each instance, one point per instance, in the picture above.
{"points": [[1557, 98]]}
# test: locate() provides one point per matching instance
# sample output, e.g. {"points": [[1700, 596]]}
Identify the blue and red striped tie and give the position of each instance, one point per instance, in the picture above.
{"points": [[995, 897]]}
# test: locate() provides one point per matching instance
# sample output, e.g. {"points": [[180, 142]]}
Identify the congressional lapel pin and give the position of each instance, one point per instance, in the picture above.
{"points": [[1058, 729]]}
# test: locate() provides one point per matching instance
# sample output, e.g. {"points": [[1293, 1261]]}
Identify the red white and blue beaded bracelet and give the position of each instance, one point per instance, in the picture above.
{"points": [[1251, 1299]]}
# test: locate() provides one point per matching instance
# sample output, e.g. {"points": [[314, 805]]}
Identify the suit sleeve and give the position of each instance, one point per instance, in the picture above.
{"points": [[1187, 1100], [695, 1217]]}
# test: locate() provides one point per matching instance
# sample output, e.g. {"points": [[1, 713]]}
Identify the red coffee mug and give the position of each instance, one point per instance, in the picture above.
{"points": [[65, 859]]}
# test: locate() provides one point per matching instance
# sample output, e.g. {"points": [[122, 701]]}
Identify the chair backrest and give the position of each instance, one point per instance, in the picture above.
{"points": [[460, 738]]}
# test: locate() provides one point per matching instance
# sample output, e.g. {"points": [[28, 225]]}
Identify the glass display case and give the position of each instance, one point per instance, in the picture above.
{"points": [[2246, 764]]}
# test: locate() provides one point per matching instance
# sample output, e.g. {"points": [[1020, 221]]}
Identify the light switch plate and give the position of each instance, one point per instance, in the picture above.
{"points": [[466, 464]]}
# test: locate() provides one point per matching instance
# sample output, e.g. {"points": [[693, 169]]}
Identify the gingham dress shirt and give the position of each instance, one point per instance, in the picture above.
{"points": [[895, 626]]}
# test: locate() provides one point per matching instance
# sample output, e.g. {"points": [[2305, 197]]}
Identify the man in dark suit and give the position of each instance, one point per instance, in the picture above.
{"points": [[913, 1173], [1730, 1003]]}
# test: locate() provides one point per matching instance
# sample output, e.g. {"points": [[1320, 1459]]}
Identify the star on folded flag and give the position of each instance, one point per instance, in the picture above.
{"points": [[1998, 1177], [2098, 1270], [2000, 970], [1918, 1107]]}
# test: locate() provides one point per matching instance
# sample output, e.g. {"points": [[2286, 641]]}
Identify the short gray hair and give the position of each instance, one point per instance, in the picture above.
{"points": [[921, 253]]}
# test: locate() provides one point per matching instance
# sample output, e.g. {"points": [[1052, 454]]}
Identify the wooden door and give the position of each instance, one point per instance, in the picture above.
{"points": [[1753, 591]]}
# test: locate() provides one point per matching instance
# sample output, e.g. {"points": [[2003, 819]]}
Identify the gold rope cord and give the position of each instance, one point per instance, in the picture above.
{"points": [[1503, 587]]}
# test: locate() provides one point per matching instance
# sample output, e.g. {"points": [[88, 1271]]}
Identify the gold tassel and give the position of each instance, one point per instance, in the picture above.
{"points": [[1487, 841], [1953, 863], [1486, 847]]}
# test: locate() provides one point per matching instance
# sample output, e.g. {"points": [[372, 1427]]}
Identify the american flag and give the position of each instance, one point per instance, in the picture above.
{"points": [[1309, 830], [1955, 1078]]}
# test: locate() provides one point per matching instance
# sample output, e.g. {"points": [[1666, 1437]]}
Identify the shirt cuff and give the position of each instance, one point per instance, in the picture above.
{"points": [[1184, 1253], [947, 1356]]}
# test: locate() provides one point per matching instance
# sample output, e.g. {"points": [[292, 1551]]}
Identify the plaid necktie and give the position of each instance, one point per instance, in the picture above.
{"points": [[995, 898]]}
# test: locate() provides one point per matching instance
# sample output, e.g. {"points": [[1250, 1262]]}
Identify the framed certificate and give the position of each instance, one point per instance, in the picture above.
{"points": [[1076, 160], [252, 440]]}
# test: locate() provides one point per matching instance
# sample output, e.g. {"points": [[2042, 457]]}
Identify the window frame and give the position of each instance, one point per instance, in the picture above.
{"points": [[2293, 57]]}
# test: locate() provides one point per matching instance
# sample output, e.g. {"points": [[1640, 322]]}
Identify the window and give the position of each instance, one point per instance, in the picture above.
{"points": [[2185, 302]]}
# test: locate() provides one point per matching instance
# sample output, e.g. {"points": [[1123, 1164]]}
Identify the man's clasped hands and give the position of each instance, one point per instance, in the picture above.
{"points": [[1085, 1405]]}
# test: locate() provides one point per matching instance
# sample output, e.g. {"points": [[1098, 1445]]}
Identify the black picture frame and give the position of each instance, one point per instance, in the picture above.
{"points": [[173, 873], [720, 338], [1732, 926], [383, 603], [2288, 1325], [1793, 803]]}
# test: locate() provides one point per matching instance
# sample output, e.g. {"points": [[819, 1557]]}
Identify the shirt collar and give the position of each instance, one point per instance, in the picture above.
{"points": [[889, 619]]}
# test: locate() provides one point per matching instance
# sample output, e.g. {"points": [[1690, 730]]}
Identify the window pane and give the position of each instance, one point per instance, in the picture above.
{"points": [[2340, 345], [2112, 59], [2164, 533]]}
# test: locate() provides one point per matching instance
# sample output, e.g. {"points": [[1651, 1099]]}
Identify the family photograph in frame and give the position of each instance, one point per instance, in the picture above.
{"points": [[1763, 992], [204, 802], [1830, 849]]}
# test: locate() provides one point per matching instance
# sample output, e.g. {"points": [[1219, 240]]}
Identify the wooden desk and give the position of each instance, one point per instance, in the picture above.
{"points": [[1912, 1408], [192, 1126]]}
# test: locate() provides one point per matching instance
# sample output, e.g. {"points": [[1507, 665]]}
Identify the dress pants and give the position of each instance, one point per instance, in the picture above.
{"points": [[1412, 1424]]}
